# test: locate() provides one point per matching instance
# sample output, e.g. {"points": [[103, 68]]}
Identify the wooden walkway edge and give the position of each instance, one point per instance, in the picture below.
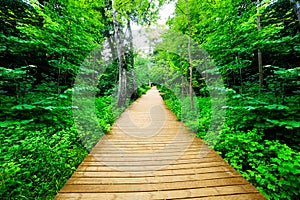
{"points": [[151, 155]]}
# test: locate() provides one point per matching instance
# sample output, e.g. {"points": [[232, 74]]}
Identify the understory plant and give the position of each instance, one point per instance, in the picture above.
{"points": [[273, 167]]}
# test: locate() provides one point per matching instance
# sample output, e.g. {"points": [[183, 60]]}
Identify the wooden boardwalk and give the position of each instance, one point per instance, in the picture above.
{"points": [[151, 155]]}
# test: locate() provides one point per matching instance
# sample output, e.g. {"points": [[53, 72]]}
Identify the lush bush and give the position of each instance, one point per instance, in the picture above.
{"points": [[278, 121], [39, 153], [37, 157], [36, 164], [271, 166], [173, 103], [104, 112], [198, 119], [142, 90]]}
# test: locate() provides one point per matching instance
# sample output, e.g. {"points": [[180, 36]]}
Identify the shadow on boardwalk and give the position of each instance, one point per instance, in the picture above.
{"points": [[151, 155]]}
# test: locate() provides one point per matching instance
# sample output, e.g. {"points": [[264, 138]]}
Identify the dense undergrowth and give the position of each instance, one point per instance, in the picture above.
{"points": [[40, 152], [263, 159]]}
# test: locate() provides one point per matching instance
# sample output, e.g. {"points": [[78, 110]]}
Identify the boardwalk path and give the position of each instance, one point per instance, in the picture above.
{"points": [[151, 155]]}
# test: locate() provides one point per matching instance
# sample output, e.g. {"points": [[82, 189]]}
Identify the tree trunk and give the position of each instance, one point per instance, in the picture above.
{"points": [[121, 59], [133, 85], [190, 57], [260, 68], [112, 48], [239, 63], [182, 80], [296, 8], [259, 55]]}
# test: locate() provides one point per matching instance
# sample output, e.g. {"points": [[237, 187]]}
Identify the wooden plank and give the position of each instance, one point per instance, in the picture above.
{"points": [[139, 161], [248, 196], [133, 157], [173, 194], [186, 154], [150, 179], [145, 187], [146, 173], [146, 196], [103, 167], [168, 148]]}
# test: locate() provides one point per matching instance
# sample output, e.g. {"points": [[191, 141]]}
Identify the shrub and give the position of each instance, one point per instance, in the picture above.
{"points": [[36, 164], [272, 167]]}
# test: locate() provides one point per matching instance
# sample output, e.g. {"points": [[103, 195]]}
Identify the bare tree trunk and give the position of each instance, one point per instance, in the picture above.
{"points": [[150, 54], [182, 80], [189, 54], [112, 47], [122, 61], [296, 7], [61, 60], [240, 71], [260, 68], [58, 79], [241, 77], [133, 88], [259, 55]]}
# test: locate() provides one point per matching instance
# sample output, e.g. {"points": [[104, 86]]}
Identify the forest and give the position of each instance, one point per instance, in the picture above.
{"points": [[229, 69]]}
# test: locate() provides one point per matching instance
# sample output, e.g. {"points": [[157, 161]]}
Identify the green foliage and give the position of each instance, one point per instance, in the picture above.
{"points": [[173, 103], [261, 134], [272, 167], [42, 47], [142, 90], [39, 154], [279, 121], [104, 112], [197, 120], [36, 163], [204, 116]]}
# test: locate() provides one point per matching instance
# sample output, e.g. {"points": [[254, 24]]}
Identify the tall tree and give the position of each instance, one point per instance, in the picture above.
{"points": [[259, 55], [121, 58], [142, 12], [189, 54]]}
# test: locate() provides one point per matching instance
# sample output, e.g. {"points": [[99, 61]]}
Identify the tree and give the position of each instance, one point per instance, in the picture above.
{"points": [[189, 54], [260, 67], [140, 11], [296, 8], [121, 58]]}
